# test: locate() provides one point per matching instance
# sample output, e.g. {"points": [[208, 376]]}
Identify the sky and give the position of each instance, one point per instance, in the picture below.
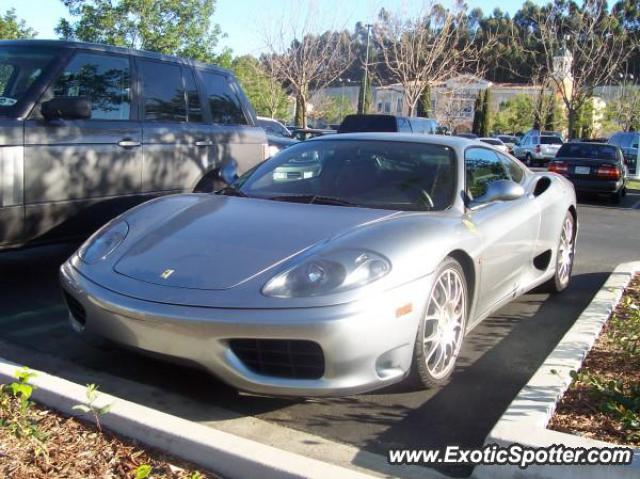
{"points": [[245, 21]]}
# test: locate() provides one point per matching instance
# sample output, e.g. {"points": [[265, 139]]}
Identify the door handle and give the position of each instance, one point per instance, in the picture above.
{"points": [[203, 143], [128, 143]]}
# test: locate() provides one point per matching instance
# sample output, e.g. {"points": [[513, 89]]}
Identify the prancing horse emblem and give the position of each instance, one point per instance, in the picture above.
{"points": [[166, 273]]}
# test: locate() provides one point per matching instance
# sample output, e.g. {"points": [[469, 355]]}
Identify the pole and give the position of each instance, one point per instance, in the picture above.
{"points": [[365, 83]]}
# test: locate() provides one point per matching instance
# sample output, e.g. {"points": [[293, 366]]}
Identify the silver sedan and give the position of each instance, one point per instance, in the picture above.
{"points": [[367, 267]]}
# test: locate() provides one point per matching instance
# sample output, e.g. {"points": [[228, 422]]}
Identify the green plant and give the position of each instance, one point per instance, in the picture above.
{"points": [[91, 407], [16, 410], [143, 471]]}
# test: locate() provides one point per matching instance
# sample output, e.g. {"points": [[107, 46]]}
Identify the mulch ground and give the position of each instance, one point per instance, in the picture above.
{"points": [[580, 411], [71, 448]]}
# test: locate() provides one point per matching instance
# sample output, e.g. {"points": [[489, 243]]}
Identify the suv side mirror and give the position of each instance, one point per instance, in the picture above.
{"points": [[501, 190], [67, 108]]}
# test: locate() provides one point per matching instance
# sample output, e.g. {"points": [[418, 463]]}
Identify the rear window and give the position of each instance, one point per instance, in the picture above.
{"points": [[364, 123], [225, 105], [550, 140], [587, 151]]}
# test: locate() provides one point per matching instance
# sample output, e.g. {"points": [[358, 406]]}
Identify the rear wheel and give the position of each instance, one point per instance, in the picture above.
{"points": [[564, 257], [442, 327]]}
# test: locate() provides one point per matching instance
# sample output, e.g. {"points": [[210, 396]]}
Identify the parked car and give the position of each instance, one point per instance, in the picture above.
{"points": [[388, 123], [535, 149], [278, 135], [508, 140], [375, 123], [496, 143], [469, 136], [302, 134], [592, 168], [628, 142], [87, 131], [375, 268]]}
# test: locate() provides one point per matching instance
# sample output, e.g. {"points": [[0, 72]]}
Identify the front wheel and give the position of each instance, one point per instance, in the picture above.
{"points": [[442, 327], [564, 256]]}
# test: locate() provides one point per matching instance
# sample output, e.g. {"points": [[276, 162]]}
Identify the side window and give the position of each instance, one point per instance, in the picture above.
{"points": [[162, 92], [105, 79], [194, 113], [224, 103], [514, 169], [482, 166]]}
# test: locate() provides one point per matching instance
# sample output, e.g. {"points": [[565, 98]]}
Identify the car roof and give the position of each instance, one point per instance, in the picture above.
{"points": [[451, 141], [110, 49]]}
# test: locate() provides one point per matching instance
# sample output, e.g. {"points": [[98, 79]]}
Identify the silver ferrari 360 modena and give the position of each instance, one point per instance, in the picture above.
{"points": [[366, 265]]}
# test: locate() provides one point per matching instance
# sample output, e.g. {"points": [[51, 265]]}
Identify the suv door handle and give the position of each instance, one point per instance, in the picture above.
{"points": [[203, 143], [128, 143]]}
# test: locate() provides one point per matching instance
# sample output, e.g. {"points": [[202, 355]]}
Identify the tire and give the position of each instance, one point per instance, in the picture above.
{"points": [[441, 329], [565, 255]]}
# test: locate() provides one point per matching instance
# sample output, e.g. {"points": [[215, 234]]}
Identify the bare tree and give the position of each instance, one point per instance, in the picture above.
{"points": [[303, 60], [582, 48], [454, 106], [422, 51]]}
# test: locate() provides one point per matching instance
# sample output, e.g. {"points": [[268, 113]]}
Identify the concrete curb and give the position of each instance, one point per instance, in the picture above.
{"points": [[218, 451], [525, 420]]}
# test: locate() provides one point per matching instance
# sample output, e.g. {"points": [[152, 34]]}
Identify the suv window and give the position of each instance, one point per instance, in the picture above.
{"points": [[224, 103], [482, 166], [105, 79], [193, 97], [404, 125], [162, 92]]}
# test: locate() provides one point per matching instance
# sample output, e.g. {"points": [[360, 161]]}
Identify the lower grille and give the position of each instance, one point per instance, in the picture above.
{"points": [[75, 308], [294, 359]]}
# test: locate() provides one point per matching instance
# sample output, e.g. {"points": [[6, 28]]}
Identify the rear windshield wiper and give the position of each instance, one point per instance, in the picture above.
{"points": [[317, 199]]}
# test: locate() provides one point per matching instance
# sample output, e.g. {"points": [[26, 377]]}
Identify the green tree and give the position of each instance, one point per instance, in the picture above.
{"points": [[485, 123], [264, 91], [477, 113], [11, 28], [364, 92], [515, 115], [176, 27], [424, 104]]}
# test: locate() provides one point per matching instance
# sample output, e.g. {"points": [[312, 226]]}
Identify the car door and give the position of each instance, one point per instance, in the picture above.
{"points": [[235, 140], [508, 229], [71, 164], [176, 140]]}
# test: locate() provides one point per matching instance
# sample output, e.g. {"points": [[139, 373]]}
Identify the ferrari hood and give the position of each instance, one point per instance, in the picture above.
{"points": [[221, 241]]}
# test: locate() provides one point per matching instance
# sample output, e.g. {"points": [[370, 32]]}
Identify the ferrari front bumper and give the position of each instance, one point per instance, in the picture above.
{"points": [[364, 345]]}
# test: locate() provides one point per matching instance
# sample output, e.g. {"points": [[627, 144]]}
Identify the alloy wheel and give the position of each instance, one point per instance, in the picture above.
{"points": [[444, 321]]}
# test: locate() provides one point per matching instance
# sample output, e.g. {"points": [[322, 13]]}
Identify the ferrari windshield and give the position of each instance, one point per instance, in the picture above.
{"points": [[366, 173], [20, 67]]}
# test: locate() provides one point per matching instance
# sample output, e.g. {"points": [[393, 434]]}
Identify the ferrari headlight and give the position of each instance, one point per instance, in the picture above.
{"points": [[328, 273], [104, 242]]}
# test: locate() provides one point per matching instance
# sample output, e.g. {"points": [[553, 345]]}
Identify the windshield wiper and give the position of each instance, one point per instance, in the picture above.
{"points": [[317, 199], [231, 191]]}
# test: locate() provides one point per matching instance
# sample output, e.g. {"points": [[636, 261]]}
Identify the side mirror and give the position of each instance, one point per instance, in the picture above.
{"points": [[67, 108], [501, 190]]}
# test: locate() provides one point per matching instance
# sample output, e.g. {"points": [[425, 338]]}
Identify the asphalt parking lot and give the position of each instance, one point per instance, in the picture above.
{"points": [[498, 357]]}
